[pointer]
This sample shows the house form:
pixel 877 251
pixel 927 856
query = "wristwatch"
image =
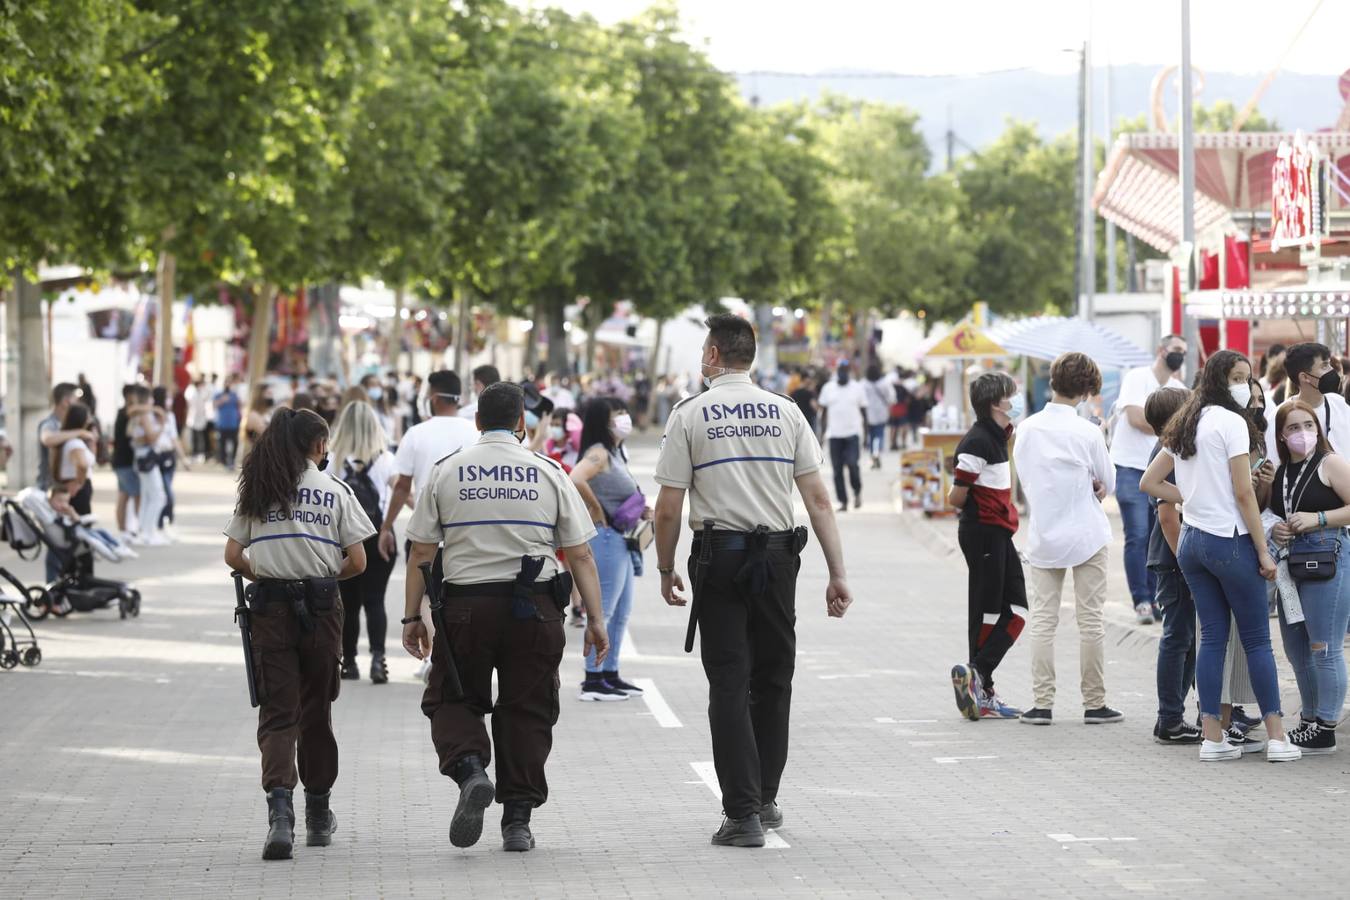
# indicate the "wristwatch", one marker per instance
pixel 409 620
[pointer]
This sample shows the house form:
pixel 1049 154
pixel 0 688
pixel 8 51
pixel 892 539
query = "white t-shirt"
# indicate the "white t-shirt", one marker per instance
pixel 1205 482
pixel 168 435
pixel 427 442
pixel 382 472
pixel 198 399
pixel 1334 408
pixel 844 403
pixel 1131 447
pixel 71 452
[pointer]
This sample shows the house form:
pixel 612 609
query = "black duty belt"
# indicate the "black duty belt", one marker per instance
pixel 306 596
pixel 494 589
pixel 741 540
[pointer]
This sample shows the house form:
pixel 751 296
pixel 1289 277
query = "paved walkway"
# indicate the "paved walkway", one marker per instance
pixel 132 769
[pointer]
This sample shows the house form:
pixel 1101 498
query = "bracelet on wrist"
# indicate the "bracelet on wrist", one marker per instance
pixel 665 570
pixel 408 620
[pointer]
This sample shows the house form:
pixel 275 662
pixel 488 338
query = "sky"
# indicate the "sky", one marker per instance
pixel 936 37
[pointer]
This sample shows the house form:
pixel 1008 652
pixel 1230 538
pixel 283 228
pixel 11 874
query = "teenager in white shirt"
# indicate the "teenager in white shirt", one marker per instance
pixel 1066 470
pixel 842 402
pixel 1132 444
pixel 1222 551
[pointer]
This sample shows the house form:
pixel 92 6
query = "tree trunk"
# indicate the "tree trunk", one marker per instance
pixel 825 310
pixel 462 340
pixel 766 355
pixel 653 360
pixel 260 337
pixel 26 386
pixel 164 278
pixel 394 338
pixel 862 339
pixel 557 335
pixel 532 338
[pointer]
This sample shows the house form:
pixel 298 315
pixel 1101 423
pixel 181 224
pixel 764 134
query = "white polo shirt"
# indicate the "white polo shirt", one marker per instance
pixel 1131 447
pixel 429 441
pixel 1058 454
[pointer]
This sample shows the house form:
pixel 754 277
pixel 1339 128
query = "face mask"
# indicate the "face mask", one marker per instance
pixel 1242 393
pixel 708 379
pixel 622 427
pixel 323 463
pixel 1018 408
pixel 268 402
pixel 1329 383
pixel 1175 360
pixel 557 434
pixel 375 393
pixel 1301 442
pixel 531 420
pixel 1258 417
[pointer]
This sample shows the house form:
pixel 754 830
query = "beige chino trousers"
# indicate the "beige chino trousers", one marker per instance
pixel 1044 589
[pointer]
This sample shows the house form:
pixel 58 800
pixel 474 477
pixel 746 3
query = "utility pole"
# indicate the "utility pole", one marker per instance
pixel 1110 226
pixel 1088 268
pixel 1190 327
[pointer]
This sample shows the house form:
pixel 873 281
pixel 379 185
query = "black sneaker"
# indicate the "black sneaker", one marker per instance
pixel 1180 733
pixel 600 691
pixel 1037 717
pixel 771 815
pixel 1244 721
pixel 613 680
pixel 1101 715
pixel 1238 738
pixel 350 671
pixel 1314 738
pixel 379 670
pixel 746 832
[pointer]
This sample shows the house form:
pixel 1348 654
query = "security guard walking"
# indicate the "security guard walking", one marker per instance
pixel 303 532
pixel 502 512
pixel 737 449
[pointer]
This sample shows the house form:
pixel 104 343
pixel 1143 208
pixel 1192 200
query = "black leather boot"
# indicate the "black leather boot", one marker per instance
pixel 320 821
pixel 475 795
pixel 743 832
pixel 379 670
pixel 516 836
pixel 280 825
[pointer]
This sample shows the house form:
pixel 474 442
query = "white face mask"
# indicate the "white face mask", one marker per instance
pixel 622 426
pixel 1242 393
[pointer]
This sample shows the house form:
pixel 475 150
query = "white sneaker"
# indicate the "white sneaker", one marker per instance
pixel 1218 751
pixel 156 540
pixel 1282 751
pixel 125 552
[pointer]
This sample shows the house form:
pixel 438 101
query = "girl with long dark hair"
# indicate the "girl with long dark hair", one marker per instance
pixel 296 533
pixel 72 461
pixel 616 505
pixel 1222 551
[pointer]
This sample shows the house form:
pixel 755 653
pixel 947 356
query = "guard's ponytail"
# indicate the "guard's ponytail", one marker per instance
pixel 272 470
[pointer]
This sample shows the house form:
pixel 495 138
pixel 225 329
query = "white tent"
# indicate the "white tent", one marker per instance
pixel 1046 337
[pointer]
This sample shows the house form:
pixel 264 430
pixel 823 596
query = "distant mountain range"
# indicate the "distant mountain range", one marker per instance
pixel 979 105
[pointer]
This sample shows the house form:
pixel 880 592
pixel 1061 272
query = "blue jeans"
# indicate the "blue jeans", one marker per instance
pixel 1225 581
pixel 1137 515
pixel 1321 674
pixel 1176 649
pixel 615 564
pixel 876 438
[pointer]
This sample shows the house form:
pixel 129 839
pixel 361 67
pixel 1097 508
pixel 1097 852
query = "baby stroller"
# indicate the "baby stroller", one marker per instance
pixel 30 524
pixel 15 650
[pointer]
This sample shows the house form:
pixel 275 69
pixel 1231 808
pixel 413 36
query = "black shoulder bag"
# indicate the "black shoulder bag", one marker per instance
pixel 1308 565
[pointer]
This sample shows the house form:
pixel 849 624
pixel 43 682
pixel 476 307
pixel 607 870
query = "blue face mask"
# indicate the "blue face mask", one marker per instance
pixel 1019 406
pixel 375 393
pixel 531 420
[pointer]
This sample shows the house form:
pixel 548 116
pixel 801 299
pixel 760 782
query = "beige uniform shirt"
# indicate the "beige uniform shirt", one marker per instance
pixel 307 542
pixel 494 502
pixel 737 448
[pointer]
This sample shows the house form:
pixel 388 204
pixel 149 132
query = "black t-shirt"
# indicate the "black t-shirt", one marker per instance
pixel 1310 494
pixel 1160 555
pixel 123 456
pixel 803 396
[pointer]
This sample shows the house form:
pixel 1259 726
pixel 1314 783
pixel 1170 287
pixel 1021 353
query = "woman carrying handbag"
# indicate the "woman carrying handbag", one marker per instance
pixel 1311 495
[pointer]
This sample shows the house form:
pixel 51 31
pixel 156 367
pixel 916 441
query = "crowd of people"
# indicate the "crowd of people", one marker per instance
pixel 1233 515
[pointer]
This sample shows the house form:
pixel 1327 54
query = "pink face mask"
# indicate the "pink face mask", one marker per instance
pixel 1301 442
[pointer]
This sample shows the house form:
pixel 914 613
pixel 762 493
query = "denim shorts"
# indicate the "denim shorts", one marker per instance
pixel 128 480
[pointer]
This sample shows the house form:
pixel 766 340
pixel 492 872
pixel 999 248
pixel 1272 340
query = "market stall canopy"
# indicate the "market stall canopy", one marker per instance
pixel 965 341
pixel 1139 189
pixel 1046 337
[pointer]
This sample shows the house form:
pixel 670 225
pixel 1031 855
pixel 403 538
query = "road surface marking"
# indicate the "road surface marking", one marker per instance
pixel 949 760
pixel 657 705
pixel 708 775
pixel 1070 839
pixel 630 650
pixel 887 720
